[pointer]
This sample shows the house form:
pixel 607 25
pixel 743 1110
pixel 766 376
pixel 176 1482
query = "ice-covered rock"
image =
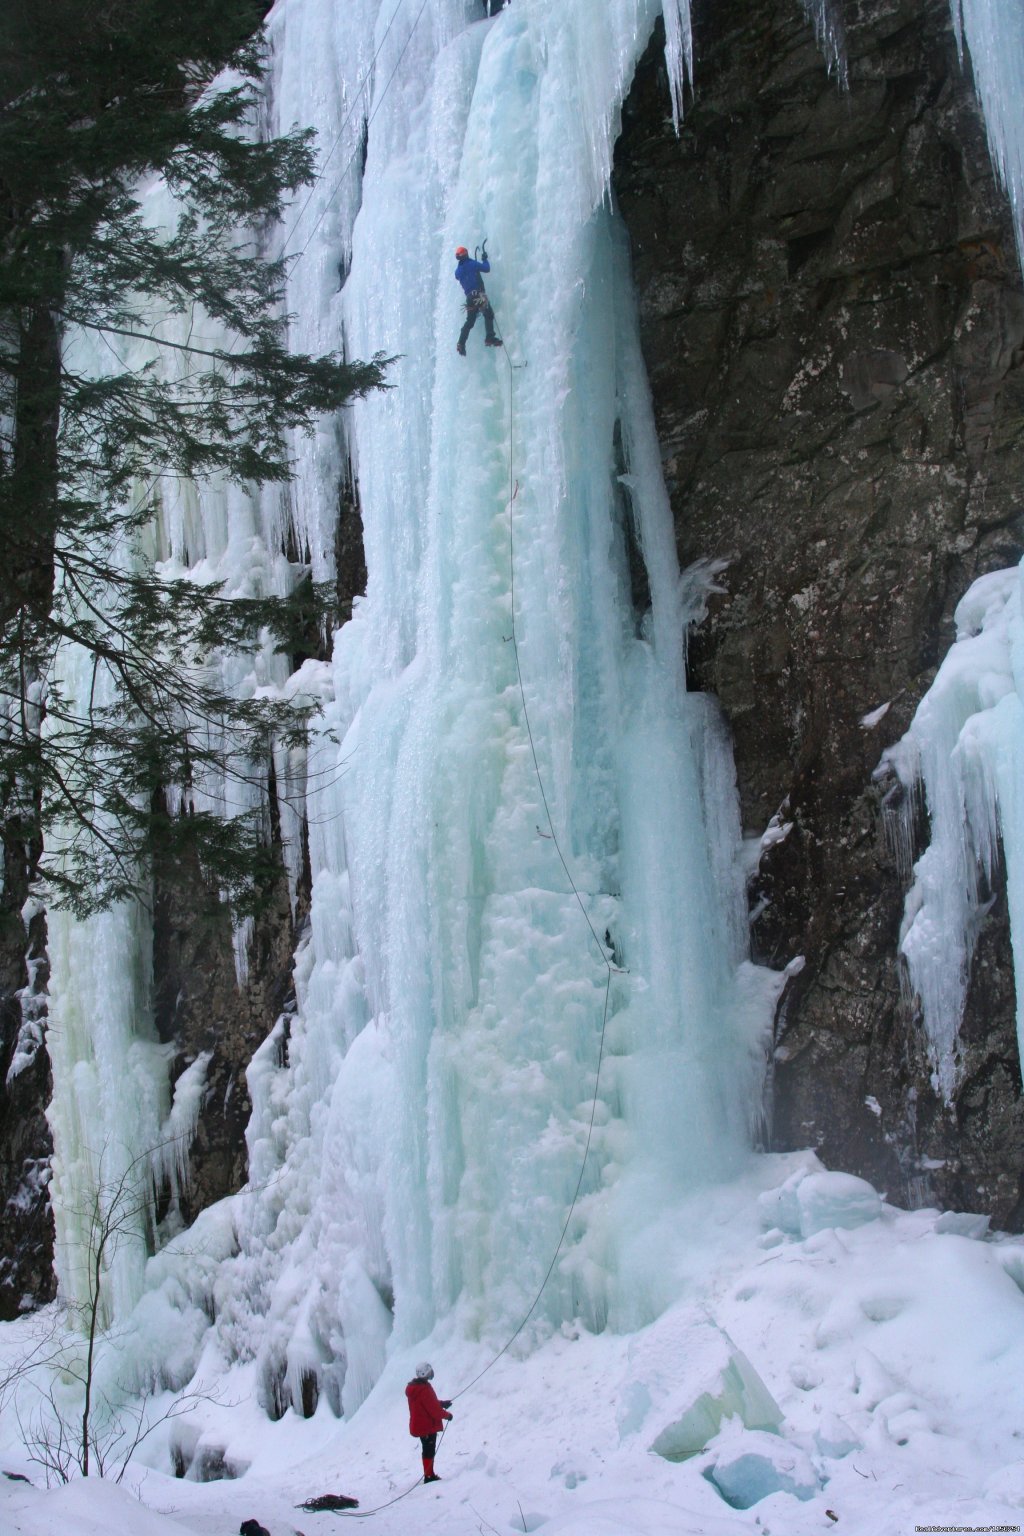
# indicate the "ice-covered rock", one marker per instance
pixel 836 1200
pixel 686 1377
pixel 963 1224
pixel 751 1464
pixel 964 742
pixel 811 1201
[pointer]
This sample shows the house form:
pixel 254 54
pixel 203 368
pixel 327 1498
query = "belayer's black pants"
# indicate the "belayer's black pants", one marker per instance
pixel 429 1444
pixel 477 304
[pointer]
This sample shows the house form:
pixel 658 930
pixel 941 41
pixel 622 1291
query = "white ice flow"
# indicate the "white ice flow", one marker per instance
pixel 965 747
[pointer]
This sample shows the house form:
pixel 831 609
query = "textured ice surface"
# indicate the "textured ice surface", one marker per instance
pixel 684 1376
pixel 749 1465
pixel 418 1142
pixel 810 1202
pixel 419 1123
pixel 964 1224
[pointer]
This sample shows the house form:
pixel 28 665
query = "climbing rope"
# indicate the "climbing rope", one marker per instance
pixel 364 1514
pixel 553 837
pixel 609 967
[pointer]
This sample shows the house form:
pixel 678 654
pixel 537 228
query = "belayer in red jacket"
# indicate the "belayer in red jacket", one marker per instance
pixel 427 1415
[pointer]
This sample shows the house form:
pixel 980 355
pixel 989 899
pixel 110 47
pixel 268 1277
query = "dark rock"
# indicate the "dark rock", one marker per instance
pixel 212 1464
pixel 200 1006
pixel 26 1253
pixel 833 322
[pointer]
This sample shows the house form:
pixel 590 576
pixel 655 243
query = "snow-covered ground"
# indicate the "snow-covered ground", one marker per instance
pixel 886 1359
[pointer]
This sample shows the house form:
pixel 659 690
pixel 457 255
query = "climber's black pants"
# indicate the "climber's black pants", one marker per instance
pixel 478 304
pixel 429 1444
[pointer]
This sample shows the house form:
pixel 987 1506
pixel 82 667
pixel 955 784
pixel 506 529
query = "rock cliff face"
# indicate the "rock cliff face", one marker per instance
pixel 200 1006
pixel 832 316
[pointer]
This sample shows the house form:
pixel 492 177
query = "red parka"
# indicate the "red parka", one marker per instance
pixel 426 1416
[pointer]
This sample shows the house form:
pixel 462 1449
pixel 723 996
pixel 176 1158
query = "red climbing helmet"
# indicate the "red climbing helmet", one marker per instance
pixel 460 250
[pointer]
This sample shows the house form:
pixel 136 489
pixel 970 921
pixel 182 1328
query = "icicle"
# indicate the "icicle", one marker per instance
pixel 171 1154
pixel 993 31
pixel 678 52
pixel 826 17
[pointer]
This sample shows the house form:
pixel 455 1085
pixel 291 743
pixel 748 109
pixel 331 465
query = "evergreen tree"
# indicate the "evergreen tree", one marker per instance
pixel 96 95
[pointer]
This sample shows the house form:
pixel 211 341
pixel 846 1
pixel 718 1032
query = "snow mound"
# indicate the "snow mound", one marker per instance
pixel 810 1202
pixel 834 1437
pixel 89 1507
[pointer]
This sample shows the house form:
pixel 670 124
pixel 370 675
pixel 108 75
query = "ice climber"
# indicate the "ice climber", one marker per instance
pixel 477 303
pixel 427 1415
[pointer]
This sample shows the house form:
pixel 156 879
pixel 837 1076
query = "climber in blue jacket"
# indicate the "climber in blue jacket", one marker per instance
pixel 477 303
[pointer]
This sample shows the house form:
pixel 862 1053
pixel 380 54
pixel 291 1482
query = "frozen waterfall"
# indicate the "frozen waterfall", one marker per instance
pixel 420 1121
pixel 417 1139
